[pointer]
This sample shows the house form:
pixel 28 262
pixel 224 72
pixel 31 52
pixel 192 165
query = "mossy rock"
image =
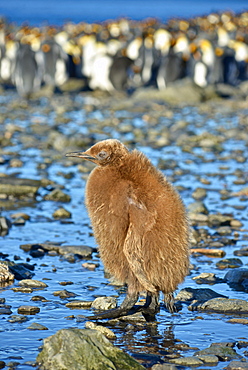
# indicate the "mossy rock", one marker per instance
pixel 83 349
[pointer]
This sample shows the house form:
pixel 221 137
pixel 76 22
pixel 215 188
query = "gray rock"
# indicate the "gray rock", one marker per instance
pixel 80 250
pixel 187 361
pixel 222 351
pixel 28 310
pixel 207 278
pixel 61 213
pixel 199 193
pixel 58 195
pixel 237 365
pixel 224 305
pixel 209 359
pixel 236 276
pixel 32 283
pixel 36 326
pixel 5 309
pixel 19 187
pixel 20 271
pixel 164 367
pixel 201 295
pixel 229 263
pixel 104 303
pixel 197 207
pixel 5 225
pixel 219 219
pixel 78 349
pixel 79 304
pixel 17 318
pixel 242 252
pixel 64 294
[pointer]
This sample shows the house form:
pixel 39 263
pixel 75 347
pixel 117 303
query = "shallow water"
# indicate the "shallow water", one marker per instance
pixel 148 343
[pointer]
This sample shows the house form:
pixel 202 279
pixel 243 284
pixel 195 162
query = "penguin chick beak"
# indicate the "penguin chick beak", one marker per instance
pixel 83 155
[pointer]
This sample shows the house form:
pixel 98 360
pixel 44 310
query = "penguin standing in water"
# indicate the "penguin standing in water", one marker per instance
pixel 27 74
pixel 140 224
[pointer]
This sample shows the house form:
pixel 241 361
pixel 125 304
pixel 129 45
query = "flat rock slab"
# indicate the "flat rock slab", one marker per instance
pixel 33 283
pixel 78 349
pixel 19 187
pixel 201 294
pixel 223 305
pixel 223 352
pixel 28 310
pixel 237 365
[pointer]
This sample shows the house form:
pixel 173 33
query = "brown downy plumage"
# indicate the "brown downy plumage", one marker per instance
pixel 139 223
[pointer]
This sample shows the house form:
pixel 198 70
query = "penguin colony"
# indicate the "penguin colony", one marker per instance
pixel 126 54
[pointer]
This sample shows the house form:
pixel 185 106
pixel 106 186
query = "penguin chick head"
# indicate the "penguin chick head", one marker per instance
pixel 106 152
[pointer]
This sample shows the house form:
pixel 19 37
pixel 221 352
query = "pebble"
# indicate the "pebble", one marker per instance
pixel 17 318
pixel 222 350
pixel 28 310
pixel 5 309
pixel 5 225
pixel 37 298
pixel 90 266
pixel 23 215
pixel 23 290
pixel 33 283
pixel 206 278
pixel 64 294
pixel 164 366
pixel 238 321
pixel 61 213
pixel 237 365
pixel 58 195
pixel 19 221
pixel 104 303
pixel 199 193
pixel 187 361
pixel 197 207
pixel 243 252
pixel 36 326
pixel 229 263
pixel 80 250
pixel 79 304
pixel 209 252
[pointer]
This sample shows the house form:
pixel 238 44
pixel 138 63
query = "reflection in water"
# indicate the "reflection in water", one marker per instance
pixel 147 343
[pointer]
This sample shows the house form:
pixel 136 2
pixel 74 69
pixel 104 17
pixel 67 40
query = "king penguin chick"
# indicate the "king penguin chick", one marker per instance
pixel 139 223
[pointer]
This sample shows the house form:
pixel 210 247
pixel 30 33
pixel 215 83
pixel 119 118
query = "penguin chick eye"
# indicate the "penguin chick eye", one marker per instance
pixel 102 155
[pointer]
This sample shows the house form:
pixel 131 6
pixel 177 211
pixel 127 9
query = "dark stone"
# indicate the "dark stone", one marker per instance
pixel 20 271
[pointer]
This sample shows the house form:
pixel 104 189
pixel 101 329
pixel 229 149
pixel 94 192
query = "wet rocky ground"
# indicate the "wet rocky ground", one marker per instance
pixel 50 271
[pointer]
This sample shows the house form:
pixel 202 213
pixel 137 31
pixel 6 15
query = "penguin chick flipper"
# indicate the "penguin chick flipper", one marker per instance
pixel 140 219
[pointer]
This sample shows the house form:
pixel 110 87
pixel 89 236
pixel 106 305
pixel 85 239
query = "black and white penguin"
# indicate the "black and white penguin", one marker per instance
pixel 54 61
pixel 173 63
pixel 120 71
pixel 27 75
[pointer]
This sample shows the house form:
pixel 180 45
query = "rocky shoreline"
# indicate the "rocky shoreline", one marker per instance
pixel 50 271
